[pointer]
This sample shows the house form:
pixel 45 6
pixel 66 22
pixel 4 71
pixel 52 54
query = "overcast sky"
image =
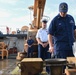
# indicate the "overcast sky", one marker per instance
pixel 15 13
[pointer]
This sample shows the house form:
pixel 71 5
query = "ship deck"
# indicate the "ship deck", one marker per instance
pixel 7 66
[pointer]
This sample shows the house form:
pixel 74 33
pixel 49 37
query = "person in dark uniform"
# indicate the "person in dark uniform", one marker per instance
pixel 30 43
pixel 42 39
pixel 62 28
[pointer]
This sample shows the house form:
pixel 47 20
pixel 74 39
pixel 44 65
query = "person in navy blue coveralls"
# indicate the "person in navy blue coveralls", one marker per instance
pixel 62 28
pixel 30 43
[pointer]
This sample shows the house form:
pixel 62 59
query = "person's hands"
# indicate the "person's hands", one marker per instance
pixel 45 44
pixel 51 49
pixel 29 45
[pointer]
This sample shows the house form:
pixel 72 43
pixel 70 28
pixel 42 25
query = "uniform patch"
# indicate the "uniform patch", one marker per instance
pixel 59 23
pixel 71 21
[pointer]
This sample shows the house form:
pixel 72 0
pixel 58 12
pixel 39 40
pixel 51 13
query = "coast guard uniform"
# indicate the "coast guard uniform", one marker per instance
pixel 43 52
pixel 30 49
pixel 62 28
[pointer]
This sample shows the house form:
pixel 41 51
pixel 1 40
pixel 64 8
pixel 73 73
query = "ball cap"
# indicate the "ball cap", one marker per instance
pixel 44 20
pixel 63 7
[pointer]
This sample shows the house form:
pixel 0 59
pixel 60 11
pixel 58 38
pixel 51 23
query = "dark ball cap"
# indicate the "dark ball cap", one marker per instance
pixel 44 21
pixel 63 7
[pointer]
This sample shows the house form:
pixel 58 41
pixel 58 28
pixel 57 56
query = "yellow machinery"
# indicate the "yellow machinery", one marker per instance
pixel 38 9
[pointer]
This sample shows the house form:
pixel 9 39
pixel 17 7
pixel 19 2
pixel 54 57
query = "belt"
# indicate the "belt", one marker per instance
pixel 44 42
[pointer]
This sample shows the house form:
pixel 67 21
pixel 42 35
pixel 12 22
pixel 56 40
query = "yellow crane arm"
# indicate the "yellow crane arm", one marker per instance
pixel 38 11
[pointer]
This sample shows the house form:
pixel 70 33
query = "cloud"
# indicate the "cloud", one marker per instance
pixel 20 9
pixel 23 18
pixel 73 12
pixel 20 19
pixel 4 13
pixel 51 13
pixel 9 1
